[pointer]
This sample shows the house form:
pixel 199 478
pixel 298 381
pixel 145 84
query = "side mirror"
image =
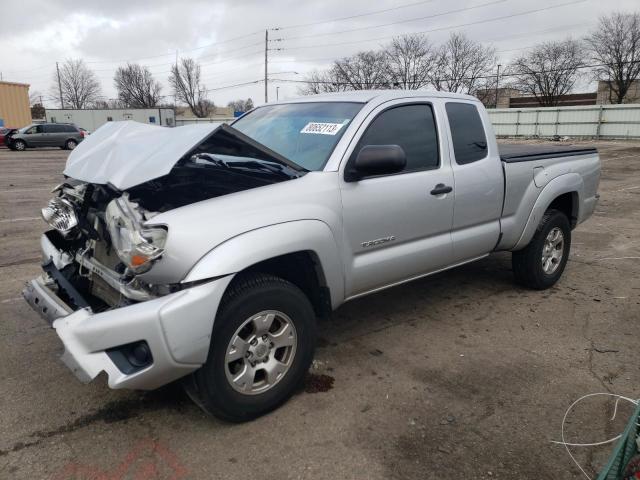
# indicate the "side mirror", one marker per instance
pixel 377 160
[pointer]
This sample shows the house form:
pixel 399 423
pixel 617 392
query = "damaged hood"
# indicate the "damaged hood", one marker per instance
pixel 125 154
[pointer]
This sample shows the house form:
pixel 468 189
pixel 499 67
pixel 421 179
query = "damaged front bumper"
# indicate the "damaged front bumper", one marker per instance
pixel 176 329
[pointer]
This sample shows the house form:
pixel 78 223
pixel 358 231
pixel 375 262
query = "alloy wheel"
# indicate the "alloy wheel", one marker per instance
pixel 552 251
pixel 260 352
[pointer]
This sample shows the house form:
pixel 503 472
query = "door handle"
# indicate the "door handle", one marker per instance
pixel 441 188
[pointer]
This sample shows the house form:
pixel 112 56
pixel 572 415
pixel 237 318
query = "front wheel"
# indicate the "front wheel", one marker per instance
pixel 18 145
pixel 540 264
pixel 261 347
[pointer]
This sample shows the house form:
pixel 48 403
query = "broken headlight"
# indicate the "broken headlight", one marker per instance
pixel 136 245
pixel 60 214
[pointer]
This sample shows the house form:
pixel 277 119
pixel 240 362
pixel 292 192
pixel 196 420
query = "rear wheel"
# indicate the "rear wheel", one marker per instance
pixel 261 347
pixel 70 144
pixel 540 264
pixel 18 145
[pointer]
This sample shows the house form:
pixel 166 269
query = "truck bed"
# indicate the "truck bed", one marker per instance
pixel 522 152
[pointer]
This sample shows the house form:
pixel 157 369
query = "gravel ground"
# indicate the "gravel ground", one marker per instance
pixel 459 375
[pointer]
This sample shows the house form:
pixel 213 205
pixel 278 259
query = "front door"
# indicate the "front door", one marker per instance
pixel 398 226
pixel 36 136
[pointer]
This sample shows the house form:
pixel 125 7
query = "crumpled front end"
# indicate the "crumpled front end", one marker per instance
pixel 109 319
pixel 140 346
pixel 114 295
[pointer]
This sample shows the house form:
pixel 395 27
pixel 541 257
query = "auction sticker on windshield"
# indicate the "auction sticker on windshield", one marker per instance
pixel 322 128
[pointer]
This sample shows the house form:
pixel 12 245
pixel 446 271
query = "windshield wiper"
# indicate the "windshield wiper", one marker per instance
pixel 271 154
pixel 247 164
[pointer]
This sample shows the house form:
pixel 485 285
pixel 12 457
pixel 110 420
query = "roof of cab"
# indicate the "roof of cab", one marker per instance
pixel 365 96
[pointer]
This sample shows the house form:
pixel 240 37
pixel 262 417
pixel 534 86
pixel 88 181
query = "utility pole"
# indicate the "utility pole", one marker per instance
pixel 497 82
pixel 59 86
pixel 277 93
pixel 175 92
pixel 266 50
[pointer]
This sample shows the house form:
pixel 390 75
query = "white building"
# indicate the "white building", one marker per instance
pixel 90 119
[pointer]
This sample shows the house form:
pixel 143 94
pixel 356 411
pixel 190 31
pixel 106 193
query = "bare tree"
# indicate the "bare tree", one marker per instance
pixel 362 71
pixel 410 60
pixel 36 96
pixel 461 64
pixel 79 85
pixel 616 45
pixel 136 86
pixel 549 71
pixel 241 105
pixel 322 82
pixel 188 88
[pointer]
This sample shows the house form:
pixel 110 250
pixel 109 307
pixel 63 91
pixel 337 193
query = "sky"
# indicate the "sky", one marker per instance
pixel 227 37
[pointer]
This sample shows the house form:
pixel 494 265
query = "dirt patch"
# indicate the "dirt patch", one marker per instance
pixel 170 397
pixel 316 383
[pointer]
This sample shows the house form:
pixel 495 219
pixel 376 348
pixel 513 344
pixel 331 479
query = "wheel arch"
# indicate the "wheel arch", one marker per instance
pixel 303 252
pixel 567 203
pixel 564 193
pixel 14 140
pixel 301 268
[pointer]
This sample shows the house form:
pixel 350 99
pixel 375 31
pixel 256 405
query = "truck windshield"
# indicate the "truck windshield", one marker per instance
pixel 305 133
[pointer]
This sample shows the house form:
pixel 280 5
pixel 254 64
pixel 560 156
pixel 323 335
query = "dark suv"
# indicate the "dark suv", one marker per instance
pixel 61 135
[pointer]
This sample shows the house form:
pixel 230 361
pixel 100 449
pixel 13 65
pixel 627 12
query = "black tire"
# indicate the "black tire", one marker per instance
pixel 527 263
pixel 70 144
pixel 18 145
pixel 249 295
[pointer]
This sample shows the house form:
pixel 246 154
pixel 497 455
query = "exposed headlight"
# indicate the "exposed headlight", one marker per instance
pixel 60 214
pixel 137 246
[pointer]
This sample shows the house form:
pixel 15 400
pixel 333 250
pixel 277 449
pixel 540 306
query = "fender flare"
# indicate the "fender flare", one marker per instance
pixel 247 249
pixel 567 183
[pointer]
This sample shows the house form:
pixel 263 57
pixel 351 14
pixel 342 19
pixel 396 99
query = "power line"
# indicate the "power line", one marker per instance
pixel 324 45
pixel 457 10
pixel 299 25
pixel 490 75
pixel 253 82
pixel 184 50
pixel 93 62
pixel 499 39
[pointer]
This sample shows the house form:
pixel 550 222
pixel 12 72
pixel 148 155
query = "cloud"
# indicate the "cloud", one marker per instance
pixel 105 33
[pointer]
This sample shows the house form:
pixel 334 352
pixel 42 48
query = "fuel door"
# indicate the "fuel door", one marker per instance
pixel 540 176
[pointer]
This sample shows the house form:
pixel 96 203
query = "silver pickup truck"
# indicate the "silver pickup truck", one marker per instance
pixel 206 253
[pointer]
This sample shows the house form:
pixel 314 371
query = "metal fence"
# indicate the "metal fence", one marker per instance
pixel 594 121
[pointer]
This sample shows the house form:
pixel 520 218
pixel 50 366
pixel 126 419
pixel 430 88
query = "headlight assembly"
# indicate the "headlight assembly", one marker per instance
pixel 60 214
pixel 136 245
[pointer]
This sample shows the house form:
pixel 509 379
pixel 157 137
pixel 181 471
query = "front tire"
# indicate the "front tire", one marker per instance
pixel 18 145
pixel 262 345
pixel 540 264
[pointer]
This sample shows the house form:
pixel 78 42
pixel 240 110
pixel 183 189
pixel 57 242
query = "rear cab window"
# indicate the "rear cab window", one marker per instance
pixel 413 128
pixel 467 132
